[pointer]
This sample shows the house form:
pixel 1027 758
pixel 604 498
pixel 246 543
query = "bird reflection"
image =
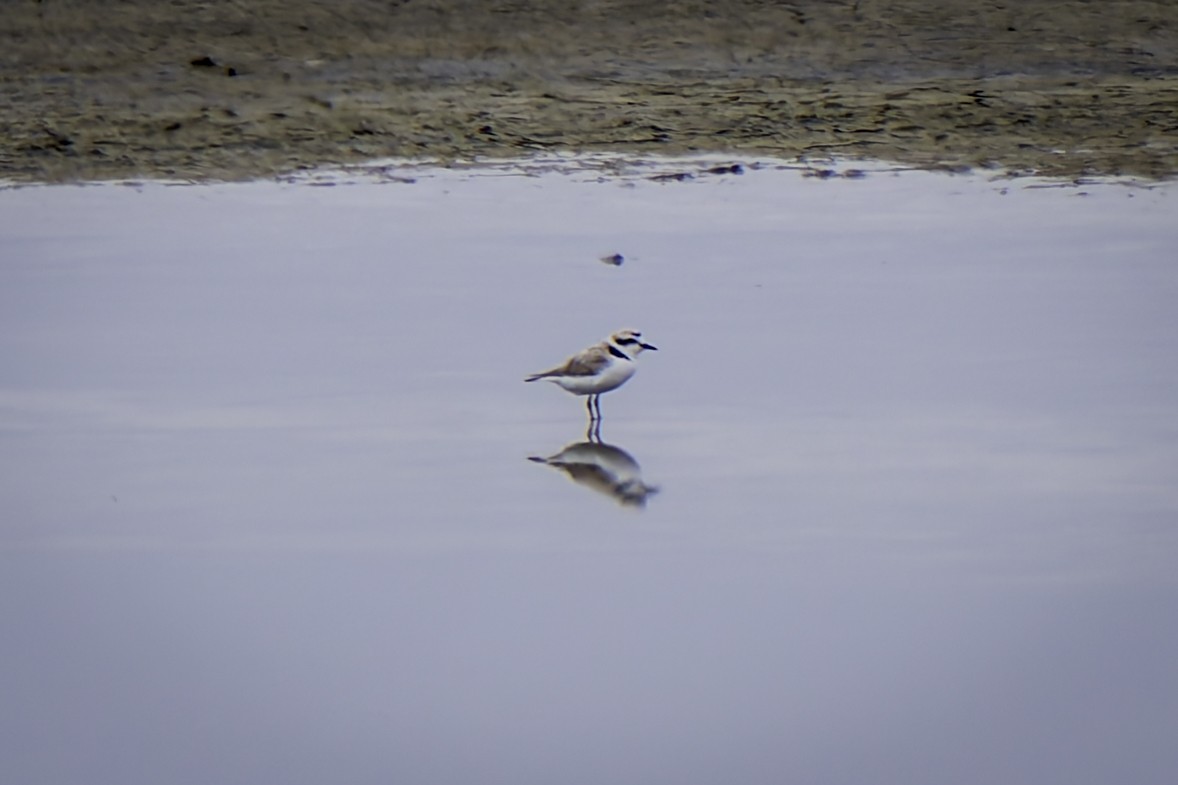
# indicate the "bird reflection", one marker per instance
pixel 605 468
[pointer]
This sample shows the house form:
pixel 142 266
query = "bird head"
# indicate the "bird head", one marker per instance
pixel 630 342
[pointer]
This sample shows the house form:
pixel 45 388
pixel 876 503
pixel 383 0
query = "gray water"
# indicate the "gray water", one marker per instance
pixel 268 513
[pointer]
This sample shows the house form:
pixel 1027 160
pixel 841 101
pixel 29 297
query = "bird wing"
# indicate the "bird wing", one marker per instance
pixel 586 363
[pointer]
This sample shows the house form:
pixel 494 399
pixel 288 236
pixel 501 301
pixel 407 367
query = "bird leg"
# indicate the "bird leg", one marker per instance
pixel 593 404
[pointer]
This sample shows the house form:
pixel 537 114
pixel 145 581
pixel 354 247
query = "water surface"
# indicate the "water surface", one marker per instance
pixel 268 513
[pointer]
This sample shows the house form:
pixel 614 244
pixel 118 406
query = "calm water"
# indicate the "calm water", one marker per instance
pixel 267 512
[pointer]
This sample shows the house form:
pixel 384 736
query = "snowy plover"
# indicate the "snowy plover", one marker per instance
pixel 600 368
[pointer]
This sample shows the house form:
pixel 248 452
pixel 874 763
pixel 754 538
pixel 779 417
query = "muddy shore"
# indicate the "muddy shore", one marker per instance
pixel 227 91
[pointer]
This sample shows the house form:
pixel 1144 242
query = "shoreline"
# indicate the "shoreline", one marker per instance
pixel 1052 88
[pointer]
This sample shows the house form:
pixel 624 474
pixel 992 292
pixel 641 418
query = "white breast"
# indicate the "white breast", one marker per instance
pixel 613 376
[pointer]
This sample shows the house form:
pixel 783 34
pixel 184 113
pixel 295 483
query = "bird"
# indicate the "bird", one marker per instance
pixel 600 368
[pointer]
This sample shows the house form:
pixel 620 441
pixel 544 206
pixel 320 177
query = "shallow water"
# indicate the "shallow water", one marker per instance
pixel 268 513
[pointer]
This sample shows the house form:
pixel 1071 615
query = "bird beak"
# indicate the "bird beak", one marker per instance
pixel 648 346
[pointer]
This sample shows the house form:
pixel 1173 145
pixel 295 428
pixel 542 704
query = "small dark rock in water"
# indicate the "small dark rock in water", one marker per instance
pixel 821 174
pixel 733 169
pixel 672 177
pixel 854 174
pixel 203 62
pixel 615 259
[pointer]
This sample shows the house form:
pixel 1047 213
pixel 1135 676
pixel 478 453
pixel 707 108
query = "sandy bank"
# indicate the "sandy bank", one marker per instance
pixel 231 90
